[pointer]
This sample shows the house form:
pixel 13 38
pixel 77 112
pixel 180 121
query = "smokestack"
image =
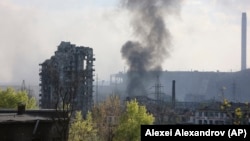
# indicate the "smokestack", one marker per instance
pixel 244 41
pixel 173 94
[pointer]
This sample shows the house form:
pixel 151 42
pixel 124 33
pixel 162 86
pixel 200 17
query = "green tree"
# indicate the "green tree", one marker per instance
pixel 11 98
pixel 237 115
pixel 82 129
pixel 131 121
pixel 105 115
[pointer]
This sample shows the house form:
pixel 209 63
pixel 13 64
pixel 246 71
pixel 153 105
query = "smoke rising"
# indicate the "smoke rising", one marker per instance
pixel 153 39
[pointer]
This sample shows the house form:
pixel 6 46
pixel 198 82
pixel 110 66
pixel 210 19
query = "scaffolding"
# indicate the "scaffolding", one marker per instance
pixel 68 73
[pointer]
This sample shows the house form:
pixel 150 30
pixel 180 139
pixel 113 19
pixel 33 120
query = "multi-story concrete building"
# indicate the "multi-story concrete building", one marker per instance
pixel 67 78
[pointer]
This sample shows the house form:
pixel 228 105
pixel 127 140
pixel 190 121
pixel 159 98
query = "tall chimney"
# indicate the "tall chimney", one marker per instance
pixel 173 94
pixel 244 41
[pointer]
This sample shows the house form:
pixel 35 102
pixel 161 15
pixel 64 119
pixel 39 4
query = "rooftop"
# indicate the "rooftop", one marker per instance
pixel 11 115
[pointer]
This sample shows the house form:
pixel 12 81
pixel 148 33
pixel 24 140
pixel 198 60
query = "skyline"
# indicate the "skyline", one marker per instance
pixel 205 35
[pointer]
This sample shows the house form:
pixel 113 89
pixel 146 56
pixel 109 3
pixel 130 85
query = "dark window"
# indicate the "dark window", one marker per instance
pixel 210 121
pixel 200 121
pixel 205 121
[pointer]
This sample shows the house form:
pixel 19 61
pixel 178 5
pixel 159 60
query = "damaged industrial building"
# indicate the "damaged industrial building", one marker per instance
pixel 192 97
pixel 67 78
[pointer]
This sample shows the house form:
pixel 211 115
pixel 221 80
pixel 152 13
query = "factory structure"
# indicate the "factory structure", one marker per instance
pixel 187 97
pixel 194 85
pixel 244 42
pixel 191 86
pixel 67 78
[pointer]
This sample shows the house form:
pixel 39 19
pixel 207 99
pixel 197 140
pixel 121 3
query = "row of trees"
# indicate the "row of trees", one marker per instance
pixel 10 98
pixel 110 121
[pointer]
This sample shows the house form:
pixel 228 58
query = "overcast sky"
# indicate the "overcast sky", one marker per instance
pixel 205 35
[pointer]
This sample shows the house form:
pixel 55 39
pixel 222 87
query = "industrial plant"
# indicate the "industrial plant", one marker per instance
pixel 193 85
pixel 70 71
pixel 190 91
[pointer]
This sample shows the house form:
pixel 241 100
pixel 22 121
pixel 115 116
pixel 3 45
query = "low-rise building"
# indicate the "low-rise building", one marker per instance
pixel 213 114
pixel 31 125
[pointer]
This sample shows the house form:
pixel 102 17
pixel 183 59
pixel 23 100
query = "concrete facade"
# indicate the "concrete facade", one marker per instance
pixel 67 78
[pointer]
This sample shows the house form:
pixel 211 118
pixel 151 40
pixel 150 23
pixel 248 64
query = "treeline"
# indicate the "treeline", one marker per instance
pixel 10 99
pixel 110 121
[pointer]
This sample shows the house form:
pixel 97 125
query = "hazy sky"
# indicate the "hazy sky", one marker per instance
pixel 205 35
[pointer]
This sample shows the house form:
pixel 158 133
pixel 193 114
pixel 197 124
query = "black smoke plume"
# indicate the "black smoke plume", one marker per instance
pixel 152 42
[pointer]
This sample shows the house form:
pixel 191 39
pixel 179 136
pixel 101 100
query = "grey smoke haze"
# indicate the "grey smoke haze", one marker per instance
pixel 31 31
pixel 153 41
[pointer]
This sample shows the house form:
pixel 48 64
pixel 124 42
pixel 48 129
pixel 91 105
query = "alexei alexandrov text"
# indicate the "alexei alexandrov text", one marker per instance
pixel 182 132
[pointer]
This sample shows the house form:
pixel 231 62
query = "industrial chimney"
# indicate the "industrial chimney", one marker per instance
pixel 244 41
pixel 173 94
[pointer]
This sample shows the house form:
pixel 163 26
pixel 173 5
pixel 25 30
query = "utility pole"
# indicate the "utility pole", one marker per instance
pixel 158 96
pixel 158 87
pixel 234 96
pixel 223 88
pixel 23 87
